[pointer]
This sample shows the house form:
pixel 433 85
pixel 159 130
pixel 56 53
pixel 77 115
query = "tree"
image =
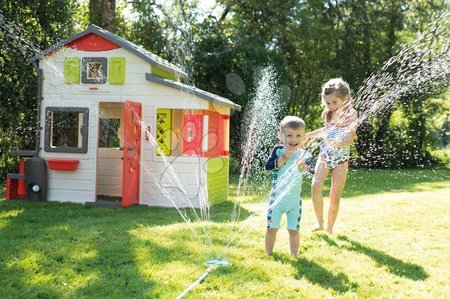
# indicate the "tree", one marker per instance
pixel 103 13
pixel 26 29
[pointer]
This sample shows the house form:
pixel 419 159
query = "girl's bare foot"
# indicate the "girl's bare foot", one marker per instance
pixel 329 232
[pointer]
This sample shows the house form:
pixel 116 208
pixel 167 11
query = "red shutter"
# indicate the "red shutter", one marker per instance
pixel 192 134
pixel 216 134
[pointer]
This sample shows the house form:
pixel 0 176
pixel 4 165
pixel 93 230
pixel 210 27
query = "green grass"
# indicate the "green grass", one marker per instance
pixel 392 240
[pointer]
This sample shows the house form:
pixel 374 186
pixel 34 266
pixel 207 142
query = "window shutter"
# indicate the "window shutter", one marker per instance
pixel 192 133
pixel 72 70
pixel 216 134
pixel 117 70
pixel 164 131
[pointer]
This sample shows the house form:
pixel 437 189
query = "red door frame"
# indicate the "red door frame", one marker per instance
pixel 131 153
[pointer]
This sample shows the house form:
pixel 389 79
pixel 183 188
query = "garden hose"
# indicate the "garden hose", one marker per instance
pixel 199 281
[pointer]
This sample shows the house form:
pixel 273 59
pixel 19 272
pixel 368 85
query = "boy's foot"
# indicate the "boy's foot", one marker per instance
pixel 317 229
pixel 330 233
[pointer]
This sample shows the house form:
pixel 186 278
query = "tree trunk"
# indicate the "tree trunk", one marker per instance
pixel 103 13
pixel 95 12
pixel 109 15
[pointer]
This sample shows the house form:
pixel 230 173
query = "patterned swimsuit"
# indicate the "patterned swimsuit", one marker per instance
pixel 334 155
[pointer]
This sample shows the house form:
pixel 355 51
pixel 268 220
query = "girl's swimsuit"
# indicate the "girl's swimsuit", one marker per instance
pixel 334 155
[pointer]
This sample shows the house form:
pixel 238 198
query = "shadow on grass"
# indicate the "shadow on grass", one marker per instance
pixel 50 250
pixel 222 212
pixel 317 274
pixel 89 250
pixel 392 264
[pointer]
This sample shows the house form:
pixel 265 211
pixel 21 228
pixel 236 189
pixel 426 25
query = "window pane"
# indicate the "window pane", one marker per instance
pixel 108 132
pixel 94 70
pixel 65 128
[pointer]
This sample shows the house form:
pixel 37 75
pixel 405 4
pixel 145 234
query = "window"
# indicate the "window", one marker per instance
pixel 192 133
pixel 66 129
pixel 108 136
pixel 94 70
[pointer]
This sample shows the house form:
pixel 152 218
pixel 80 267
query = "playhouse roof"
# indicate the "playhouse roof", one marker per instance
pixel 138 50
pixel 148 57
pixel 215 99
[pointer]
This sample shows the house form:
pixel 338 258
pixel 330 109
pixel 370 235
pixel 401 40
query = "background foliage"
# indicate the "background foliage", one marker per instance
pixel 308 42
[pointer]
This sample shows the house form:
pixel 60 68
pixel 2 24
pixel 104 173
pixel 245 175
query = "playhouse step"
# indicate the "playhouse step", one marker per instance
pixel 24 153
pixel 15 176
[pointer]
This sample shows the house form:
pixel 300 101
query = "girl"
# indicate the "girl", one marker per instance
pixel 338 134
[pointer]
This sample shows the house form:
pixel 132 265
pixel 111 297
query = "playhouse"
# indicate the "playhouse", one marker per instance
pixel 103 104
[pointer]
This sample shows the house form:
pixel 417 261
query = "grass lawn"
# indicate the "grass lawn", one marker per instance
pixel 392 240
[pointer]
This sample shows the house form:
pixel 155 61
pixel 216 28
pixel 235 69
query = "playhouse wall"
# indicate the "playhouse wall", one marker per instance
pixel 80 185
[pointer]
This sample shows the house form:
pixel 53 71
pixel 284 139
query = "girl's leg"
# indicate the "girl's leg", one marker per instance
pixel 338 177
pixel 294 242
pixel 321 174
pixel 271 236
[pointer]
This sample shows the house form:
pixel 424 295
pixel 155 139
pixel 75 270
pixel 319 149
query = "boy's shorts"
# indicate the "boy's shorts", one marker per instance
pixel 293 217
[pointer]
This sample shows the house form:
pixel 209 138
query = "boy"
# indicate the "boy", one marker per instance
pixel 288 164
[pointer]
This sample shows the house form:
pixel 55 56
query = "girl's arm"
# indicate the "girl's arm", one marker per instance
pixel 350 129
pixel 314 134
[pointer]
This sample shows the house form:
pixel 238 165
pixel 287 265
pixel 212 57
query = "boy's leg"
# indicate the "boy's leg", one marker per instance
pixel 338 178
pixel 293 225
pixel 273 224
pixel 321 174
pixel 294 242
pixel 271 236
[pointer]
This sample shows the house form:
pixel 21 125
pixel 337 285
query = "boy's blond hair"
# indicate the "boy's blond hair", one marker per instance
pixel 292 122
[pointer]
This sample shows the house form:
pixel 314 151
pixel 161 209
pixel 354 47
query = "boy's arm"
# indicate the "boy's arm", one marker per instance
pixel 273 161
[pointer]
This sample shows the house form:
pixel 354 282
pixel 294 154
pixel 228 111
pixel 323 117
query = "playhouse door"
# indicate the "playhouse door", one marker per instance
pixel 131 153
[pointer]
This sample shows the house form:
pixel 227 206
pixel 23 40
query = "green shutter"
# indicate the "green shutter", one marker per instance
pixel 117 70
pixel 163 74
pixel 217 172
pixel 72 70
pixel 164 131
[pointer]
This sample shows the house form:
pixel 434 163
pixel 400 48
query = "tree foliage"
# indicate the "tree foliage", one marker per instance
pixel 307 41
pixel 26 29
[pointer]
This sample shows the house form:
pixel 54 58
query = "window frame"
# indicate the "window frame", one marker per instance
pixel 84 70
pixel 83 130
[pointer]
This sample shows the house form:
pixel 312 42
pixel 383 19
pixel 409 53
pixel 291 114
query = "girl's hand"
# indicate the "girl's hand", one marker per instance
pixel 302 165
pixel 300 161
pixel 333 142
pixel 307 137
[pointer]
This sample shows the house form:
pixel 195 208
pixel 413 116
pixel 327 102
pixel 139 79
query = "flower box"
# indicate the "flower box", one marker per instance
pixel 62 164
